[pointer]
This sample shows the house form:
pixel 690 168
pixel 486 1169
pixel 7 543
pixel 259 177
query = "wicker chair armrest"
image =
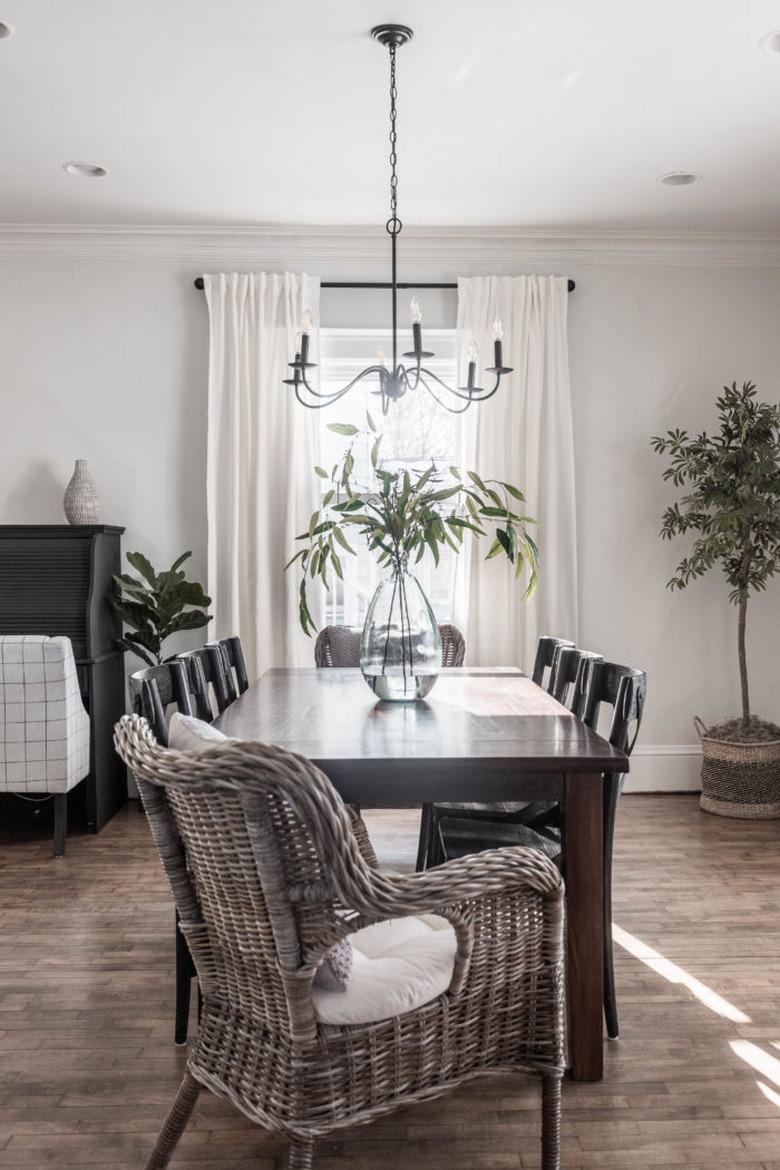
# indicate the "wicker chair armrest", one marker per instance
pixel 478 895
pixel 455 884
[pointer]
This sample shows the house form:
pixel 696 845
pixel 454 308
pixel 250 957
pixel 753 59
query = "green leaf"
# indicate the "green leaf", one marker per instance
pixel 370 421
pixel 342 540
pixel 128 584
pixel 143 654
pixel 343 429
pixel 375 451
pixel 322 473
pixel 476 479
pixel 191 619
pixel 144 567
pixel 513 491
pixel 301 553
pixel 505 542
pixel 179 562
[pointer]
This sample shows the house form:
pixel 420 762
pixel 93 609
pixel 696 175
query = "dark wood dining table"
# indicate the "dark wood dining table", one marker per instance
pixel 481 734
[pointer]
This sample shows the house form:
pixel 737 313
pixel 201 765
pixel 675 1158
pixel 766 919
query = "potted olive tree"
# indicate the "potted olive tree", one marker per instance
pixel 731 504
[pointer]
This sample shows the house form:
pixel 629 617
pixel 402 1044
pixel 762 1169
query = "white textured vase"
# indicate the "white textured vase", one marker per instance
pixel 81 501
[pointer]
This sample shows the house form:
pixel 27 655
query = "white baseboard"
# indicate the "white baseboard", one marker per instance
pixel 665 767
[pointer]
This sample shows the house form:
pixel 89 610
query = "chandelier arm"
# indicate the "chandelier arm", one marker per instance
pixel 345 389
pixel 405 377
pixel 436 398
pixel 478 396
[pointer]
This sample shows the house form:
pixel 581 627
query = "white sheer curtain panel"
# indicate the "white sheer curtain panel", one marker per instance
pixel 523 436
pixel 262 448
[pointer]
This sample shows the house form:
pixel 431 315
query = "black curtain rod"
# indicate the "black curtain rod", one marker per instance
pixel 374 284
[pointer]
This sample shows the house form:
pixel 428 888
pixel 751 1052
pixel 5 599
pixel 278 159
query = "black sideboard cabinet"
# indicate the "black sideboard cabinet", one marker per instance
pixel 56 579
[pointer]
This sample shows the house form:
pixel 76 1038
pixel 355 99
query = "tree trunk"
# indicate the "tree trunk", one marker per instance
pixel 743 674
pixel 747 556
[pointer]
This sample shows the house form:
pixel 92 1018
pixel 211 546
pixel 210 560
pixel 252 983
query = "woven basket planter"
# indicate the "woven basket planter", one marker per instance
pixel 739 779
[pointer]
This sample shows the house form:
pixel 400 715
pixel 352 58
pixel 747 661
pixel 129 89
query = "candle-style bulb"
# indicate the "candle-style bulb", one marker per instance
pixel 381 357
pixel 498 330
pixel 306 322
pixel 472 352
pixel 415 311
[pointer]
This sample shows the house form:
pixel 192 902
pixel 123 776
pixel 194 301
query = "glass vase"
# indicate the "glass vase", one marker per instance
pixel 400 650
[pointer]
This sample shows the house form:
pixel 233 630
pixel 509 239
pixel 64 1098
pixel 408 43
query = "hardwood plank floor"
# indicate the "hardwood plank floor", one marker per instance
pixel 88 1067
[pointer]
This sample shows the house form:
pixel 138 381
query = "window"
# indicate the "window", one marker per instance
pixel 416 430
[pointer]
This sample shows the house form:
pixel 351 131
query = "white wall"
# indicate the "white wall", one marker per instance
pixel 103 356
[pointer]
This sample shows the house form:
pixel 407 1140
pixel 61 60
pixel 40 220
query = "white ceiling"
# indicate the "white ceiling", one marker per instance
pixel 538 113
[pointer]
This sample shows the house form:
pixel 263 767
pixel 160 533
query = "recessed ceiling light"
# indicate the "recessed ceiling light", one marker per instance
pixel 679 178
pixel 6 31
pixel 771 42
pixel 85 170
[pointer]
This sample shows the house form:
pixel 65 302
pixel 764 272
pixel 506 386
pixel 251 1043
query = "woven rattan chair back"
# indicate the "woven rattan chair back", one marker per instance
pixel 155 688
pixel 256 830
pixel 453 646
pixel 209 682
pixel 234 666
pixel 546 649
pixel 340 646
pixel 268 874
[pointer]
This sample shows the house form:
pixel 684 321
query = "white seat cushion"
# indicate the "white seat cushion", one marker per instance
pixel 188 734
pixel 398 966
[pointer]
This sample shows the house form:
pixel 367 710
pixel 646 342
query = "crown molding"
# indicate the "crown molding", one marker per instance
pixel 451 250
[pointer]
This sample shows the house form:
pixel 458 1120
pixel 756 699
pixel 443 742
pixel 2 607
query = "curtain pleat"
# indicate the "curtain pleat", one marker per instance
pixel 262 448
pixel 523 435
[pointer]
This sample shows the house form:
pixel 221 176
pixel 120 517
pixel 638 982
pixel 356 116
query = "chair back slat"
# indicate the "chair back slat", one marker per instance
pixel 568 673
pixel 154 689
pixel 339 646
pixel 233 664
pixel 206 669
pixel 546 649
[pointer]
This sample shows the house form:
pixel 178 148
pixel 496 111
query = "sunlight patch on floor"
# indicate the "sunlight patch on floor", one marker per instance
pixel 770 1094
pixel 762 1062
pixel 674 974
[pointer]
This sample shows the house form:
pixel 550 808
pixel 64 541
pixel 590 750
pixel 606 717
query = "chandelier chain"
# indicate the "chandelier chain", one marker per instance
pixel 394 225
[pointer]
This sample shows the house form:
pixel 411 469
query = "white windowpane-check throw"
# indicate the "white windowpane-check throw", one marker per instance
pixel 44 729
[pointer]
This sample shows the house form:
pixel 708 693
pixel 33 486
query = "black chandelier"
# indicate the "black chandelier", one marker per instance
pixel 394 382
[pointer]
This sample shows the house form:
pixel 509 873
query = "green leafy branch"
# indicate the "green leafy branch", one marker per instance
pixel 407 515
pixel 157 605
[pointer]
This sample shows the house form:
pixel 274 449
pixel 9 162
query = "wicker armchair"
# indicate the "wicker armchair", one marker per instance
pixel 340 646
pixel 268 875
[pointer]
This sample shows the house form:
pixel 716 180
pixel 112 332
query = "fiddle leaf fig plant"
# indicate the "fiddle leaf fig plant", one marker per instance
pixel 731 505
pixel 157 605
pixel 406 515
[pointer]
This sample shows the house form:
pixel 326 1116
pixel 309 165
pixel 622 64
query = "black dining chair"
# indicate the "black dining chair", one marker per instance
pixel 602 684
pixel 209 681
pixel 564 683
pixel 154 690
pixel 233 660
pixel 546 649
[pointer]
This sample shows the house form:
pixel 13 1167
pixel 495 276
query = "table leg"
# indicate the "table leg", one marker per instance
pixel 583 871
